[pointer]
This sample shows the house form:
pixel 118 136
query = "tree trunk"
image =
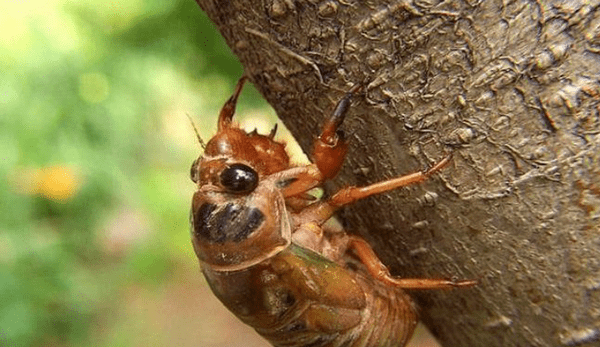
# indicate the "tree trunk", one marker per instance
pixel 512 89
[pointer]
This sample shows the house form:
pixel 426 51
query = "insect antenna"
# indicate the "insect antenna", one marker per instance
pixel 202 144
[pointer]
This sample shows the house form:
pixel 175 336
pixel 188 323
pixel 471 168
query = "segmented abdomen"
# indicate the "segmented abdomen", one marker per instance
pixel 391 319
pixel 300 299
pixel 388 320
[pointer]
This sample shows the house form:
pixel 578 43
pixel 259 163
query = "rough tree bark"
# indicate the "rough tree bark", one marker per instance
pixel 512 88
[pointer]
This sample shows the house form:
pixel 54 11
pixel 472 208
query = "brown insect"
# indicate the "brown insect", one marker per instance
pixel 268 256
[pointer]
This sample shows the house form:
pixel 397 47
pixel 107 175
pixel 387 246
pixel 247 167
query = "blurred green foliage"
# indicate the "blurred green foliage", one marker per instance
pixel 95 153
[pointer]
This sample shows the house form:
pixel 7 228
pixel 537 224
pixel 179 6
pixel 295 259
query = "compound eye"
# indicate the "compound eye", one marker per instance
pixel 239 178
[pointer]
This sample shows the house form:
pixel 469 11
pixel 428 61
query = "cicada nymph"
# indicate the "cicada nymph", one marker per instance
pixel 268 255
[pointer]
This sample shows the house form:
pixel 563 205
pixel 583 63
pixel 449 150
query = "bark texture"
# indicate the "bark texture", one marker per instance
pixel 512 88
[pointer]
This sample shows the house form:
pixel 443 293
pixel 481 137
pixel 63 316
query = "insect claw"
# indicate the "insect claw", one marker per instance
pixel 339 114
pixel 464 283
pixel 328 135
pixel 457 283
pixel 273 132
pixel 228 109
pixel 439 165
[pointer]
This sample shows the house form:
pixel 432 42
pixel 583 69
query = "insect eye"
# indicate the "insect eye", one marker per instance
pixel 239 178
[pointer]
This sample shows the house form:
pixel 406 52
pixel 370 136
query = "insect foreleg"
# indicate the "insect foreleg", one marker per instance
pixel 228 109
pixel 330 147
pixel 328 154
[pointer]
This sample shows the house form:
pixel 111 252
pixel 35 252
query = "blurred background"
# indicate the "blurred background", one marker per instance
pixel 95 151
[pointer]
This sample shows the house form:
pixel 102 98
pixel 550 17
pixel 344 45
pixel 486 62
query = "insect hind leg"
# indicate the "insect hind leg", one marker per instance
pixel 379 271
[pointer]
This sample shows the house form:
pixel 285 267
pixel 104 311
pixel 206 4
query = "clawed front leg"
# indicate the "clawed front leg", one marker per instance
pixel 329 151
pixel 330 148
pixel 229 108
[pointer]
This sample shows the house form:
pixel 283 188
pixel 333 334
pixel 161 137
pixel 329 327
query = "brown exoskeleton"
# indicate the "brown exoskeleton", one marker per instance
pixel 267 255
